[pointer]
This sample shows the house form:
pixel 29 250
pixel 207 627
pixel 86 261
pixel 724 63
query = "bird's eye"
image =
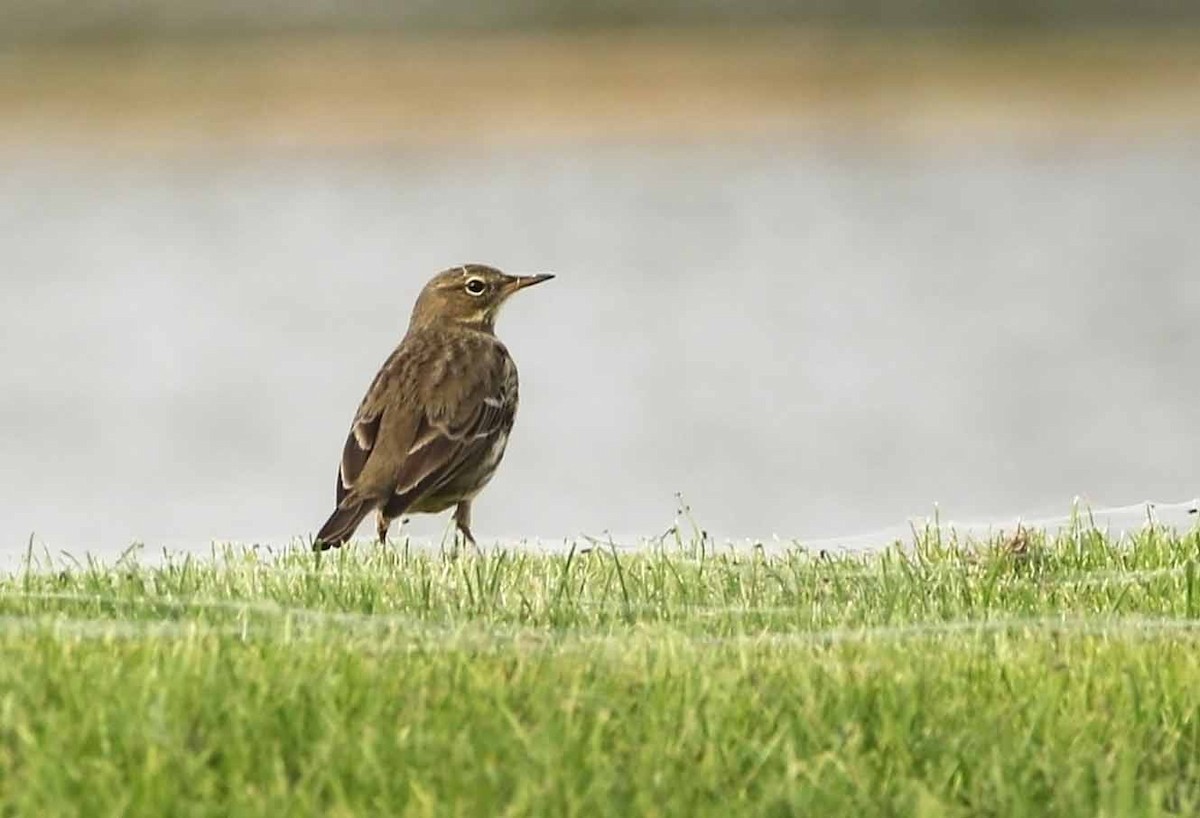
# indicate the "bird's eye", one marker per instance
pixel 476 286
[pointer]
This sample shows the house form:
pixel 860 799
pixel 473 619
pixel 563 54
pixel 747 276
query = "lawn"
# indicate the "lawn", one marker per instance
pixel 1032 676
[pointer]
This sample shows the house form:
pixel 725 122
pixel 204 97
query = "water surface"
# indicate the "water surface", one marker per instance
pixel 803 339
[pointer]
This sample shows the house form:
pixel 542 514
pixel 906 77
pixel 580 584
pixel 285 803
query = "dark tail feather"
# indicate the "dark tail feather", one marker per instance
pixel 341 525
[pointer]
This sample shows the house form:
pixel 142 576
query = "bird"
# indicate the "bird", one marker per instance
pixel 434 423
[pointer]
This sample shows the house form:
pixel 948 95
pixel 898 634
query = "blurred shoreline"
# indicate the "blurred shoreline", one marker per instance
pixel 363 92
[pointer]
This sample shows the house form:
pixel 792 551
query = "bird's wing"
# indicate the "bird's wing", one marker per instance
pixel 431 410
pixel 463 416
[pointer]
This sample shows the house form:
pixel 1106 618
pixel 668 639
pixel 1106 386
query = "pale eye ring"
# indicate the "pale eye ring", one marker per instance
pixel 476 286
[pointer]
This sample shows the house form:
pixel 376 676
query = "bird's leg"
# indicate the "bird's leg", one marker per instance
pixel 462 519
pixel 382 523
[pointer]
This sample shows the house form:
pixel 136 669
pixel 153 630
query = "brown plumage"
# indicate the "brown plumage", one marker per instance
pixel 434 423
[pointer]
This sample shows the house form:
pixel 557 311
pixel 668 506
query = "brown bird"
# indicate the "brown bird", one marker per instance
pixel 433 425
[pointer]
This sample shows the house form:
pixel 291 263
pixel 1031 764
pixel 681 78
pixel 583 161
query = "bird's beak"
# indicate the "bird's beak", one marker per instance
pixel 521 282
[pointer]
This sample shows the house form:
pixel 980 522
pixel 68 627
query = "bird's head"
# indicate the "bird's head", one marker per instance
pixel 468 296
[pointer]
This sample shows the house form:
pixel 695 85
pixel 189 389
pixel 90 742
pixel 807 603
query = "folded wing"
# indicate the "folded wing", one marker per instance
pixel 461 424
pixel 425 419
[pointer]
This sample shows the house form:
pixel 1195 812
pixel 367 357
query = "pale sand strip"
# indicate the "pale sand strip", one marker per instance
pixel 672 87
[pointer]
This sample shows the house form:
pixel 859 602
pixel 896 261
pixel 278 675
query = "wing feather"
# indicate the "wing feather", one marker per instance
pixel 359 444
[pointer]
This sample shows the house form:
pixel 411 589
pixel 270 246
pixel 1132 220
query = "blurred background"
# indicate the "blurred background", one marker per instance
pixel 821 264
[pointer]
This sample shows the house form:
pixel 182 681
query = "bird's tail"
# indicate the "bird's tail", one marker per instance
pixel 341 524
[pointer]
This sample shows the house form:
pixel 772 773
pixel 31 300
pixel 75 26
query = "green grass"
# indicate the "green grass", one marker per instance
pixel 940 679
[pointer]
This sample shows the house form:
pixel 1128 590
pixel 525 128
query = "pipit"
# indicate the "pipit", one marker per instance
pixel 434 423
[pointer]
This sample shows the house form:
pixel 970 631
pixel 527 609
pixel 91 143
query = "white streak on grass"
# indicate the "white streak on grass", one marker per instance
pixel 670 612
pixel 101 629
pixel 389 633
